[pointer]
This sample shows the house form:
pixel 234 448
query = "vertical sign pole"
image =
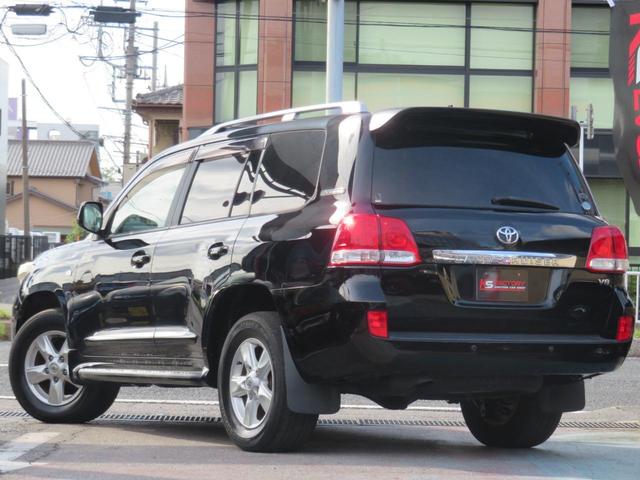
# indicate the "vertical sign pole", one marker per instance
pixel 335 49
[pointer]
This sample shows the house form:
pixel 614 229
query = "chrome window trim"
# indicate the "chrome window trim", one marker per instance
pixel 497 257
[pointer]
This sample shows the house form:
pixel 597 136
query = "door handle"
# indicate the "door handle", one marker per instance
pixel 140 259
pixel 217 250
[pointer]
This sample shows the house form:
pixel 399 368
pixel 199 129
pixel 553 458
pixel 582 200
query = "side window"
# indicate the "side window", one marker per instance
pixel 288 174
pixel 147 204
pixel 212 189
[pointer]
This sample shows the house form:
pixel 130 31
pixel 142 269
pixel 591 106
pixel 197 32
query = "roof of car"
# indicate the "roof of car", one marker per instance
pixel 561 129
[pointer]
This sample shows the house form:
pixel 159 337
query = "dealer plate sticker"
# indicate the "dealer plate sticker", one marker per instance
pixel 502 285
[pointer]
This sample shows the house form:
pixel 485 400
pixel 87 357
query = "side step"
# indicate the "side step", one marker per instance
pixel 104 372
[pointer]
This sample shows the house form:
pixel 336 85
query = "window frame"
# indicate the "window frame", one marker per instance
pixel 182 158
pixel 236 68
pixel 465 70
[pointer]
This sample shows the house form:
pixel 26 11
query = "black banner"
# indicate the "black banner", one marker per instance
pixel 624 58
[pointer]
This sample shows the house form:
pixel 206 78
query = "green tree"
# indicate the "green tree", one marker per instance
pixel 76 234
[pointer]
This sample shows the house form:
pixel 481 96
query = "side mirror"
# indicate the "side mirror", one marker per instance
pixel 90 216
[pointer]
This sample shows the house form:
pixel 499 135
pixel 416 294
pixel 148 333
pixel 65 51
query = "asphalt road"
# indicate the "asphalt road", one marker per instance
pixel 601 443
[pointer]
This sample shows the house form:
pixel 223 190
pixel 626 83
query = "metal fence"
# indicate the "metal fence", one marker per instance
pixel 15 250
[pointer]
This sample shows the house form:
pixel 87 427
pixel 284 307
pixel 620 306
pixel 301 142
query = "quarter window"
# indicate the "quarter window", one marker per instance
pixel 148 204
pixel 288 174
pixel 212 189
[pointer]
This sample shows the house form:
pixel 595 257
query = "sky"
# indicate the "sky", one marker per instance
pixel 80 88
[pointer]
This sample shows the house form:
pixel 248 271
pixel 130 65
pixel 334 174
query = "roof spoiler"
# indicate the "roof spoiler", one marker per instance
pixel 462 124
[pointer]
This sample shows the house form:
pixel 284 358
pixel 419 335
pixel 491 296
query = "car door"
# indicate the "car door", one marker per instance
pixel 110 312
pixel 193 258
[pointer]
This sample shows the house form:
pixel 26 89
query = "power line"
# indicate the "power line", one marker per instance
pixel 35 85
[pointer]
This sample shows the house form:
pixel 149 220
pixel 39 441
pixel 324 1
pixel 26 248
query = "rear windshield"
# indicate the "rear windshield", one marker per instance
pixel 468 177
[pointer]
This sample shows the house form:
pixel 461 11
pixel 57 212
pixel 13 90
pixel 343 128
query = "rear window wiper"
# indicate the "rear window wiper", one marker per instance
pixel 523 202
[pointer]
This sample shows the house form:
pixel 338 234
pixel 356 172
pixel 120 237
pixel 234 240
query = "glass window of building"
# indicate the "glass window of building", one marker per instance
pixel 502 93
pixel 309 87
pixel 236 59
pixel 386 90
pixel 590 77
pixel 404 53
pixel 411 33
pixel 611 197
pixel 502 36
pixel 595 91
pixel 311 30
pixel 590 37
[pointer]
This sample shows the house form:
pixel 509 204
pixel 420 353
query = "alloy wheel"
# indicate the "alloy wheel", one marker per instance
pixel 251 383
pixel 46 369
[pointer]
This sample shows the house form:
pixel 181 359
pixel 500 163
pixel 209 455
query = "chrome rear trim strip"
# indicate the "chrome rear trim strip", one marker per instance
pixel 497 257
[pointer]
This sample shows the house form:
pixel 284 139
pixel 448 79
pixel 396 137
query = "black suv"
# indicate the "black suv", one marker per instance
pixel 421 253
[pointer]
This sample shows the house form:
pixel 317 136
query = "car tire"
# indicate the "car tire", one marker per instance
pixel 515 422
pixel 40 379
pixel 252 388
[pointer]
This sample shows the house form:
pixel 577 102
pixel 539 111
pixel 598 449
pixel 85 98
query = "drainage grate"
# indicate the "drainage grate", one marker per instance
pixel 326 422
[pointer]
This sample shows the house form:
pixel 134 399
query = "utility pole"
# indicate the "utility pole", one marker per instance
pixel 154 64
pixel 25 171
pixel 335 49
pixel 130 72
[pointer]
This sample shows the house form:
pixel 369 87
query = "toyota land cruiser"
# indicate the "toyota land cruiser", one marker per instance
pixel 285 259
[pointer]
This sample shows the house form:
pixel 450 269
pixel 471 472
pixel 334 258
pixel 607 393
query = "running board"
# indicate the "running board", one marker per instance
pixel 104 372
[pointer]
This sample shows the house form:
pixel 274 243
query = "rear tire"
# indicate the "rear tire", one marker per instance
pixel 511 422
pixel 252 389
pixel 39 375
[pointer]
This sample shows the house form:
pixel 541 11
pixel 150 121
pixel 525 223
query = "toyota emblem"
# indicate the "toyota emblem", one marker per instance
pixel 508 235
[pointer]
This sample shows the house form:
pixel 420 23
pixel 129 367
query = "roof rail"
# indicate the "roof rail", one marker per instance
pixel 288 115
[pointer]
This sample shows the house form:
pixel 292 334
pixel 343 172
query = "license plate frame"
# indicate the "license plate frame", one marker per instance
pixel 502 285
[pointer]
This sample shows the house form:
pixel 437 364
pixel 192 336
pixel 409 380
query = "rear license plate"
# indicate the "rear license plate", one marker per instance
pixel 502 285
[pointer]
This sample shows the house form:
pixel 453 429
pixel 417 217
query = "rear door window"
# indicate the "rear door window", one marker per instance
pixel 212 189
pixel 468 177
pixel 288 174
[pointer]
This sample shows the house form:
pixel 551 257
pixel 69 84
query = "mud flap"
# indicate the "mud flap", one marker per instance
pixel 568 397
pixel 303 397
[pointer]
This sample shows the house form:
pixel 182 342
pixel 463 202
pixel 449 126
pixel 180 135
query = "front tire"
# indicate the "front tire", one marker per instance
pixel 516 422
pixel 40 376
pixel 252 389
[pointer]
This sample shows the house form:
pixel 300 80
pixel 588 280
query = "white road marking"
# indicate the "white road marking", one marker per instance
pixel 14 449
pixel 152 401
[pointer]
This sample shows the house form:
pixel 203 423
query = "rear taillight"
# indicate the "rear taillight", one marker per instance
pixel 369 239
pixel 377 322
pixel 624 332
pixel 608 251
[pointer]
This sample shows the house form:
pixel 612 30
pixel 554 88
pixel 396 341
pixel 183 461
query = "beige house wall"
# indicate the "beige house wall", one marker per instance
pixel 44 215
pixel 63 189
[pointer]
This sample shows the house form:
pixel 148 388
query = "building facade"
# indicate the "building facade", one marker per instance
pixel 542 56
pixel 62 175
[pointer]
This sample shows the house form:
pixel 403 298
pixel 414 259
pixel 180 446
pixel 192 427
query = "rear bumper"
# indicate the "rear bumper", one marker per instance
pixel 412 359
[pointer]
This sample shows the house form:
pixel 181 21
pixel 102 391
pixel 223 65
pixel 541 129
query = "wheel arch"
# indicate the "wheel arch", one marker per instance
pixel 224 310
pixel 37 302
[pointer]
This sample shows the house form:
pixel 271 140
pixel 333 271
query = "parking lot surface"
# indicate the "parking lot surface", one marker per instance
pixel 176 433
